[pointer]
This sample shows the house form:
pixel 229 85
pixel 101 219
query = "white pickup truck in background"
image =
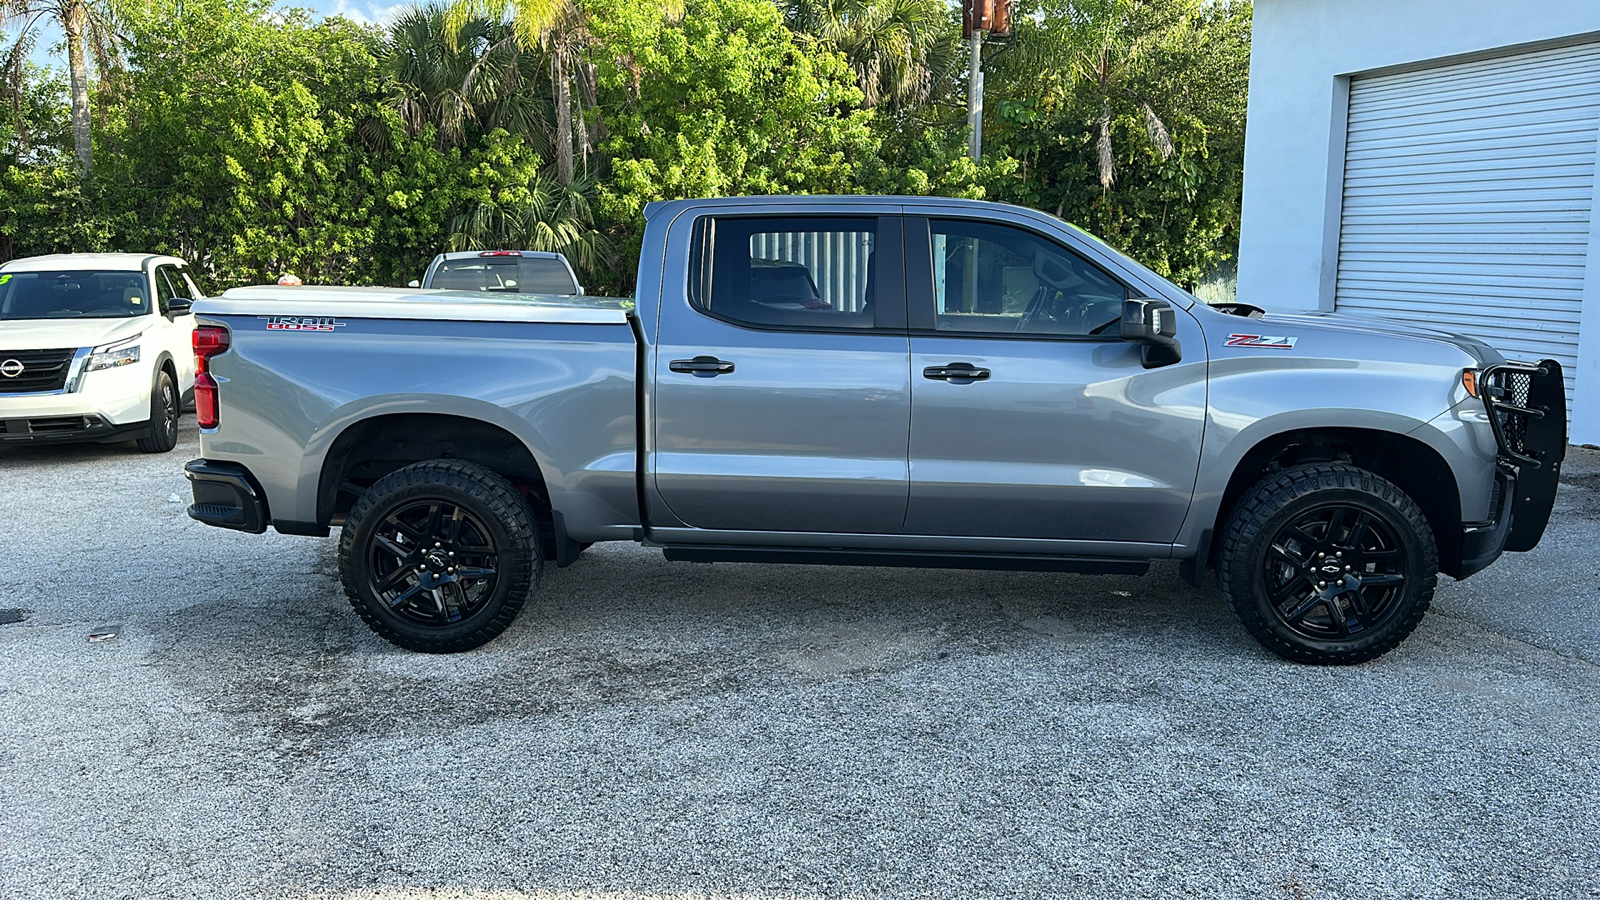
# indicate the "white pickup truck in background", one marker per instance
pixel 502 272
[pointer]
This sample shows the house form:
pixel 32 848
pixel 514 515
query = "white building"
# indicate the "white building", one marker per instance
pixel 1434 161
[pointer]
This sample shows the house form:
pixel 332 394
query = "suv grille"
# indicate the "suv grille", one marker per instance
pixel 41 370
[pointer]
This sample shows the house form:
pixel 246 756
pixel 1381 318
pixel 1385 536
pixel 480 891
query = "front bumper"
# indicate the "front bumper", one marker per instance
pixel 226 495
pixel 108 405
pixel 50 429
pixel 1527 407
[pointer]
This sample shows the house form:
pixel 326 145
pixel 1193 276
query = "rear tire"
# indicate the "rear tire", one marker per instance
pixel 165 407
pixel 1328 564
pixel 439 556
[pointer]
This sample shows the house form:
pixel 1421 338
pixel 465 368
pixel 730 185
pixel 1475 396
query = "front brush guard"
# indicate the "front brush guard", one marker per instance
pixel 1527 406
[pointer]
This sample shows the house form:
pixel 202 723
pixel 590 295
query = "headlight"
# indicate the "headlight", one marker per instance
pixel 109 356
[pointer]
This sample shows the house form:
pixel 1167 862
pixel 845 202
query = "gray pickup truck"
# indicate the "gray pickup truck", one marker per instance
pixel 873 381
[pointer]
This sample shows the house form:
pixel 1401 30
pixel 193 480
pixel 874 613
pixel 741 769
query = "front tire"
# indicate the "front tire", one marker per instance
pixel 165 407
pixel 439 556
pixel 1328 564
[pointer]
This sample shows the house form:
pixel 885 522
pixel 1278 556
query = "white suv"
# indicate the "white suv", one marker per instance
pixel 95 347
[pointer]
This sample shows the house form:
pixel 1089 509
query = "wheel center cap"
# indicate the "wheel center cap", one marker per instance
pixel 1332 569
pixel 436 560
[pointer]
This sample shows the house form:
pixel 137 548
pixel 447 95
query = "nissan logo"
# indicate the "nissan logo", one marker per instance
pixel 11 368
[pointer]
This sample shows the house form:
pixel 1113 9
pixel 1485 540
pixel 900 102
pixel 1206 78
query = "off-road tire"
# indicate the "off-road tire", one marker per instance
pixel 490 504
pixel 1274 524
pixel 165 407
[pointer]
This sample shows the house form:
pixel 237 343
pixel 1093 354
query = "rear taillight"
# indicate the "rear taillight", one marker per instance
pixel 209 340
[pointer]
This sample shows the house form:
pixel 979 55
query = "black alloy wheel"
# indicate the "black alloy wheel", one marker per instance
pixel 439 556
pixel 164 411
pixel 433 562
pixel 1335 572
pixel 1328 564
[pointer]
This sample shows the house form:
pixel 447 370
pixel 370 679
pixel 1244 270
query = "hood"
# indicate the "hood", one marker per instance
pixel 1338 322
pixel 59 334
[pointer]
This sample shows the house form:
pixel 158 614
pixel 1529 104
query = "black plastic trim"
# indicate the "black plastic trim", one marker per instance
pixel 567 550
pixel 905 558
pixel 304 529
pixel 226 495
pixel 1193 569
pixel 92 429
pixel 1483 542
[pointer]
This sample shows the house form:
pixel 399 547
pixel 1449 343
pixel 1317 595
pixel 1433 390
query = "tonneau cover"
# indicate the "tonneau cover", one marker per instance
pixel 411 303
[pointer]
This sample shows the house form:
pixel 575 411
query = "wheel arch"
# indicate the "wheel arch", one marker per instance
pixel 372 447
pixel 1408 462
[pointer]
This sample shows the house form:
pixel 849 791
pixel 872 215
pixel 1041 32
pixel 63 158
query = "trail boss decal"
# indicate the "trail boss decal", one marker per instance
pixel 301 323
pixel 1260 340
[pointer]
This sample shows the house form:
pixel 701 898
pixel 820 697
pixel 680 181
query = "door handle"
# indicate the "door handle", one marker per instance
pixel 957 372
pixel 701 366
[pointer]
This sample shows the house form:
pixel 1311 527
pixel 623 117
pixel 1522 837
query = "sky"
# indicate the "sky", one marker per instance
pixel 49 49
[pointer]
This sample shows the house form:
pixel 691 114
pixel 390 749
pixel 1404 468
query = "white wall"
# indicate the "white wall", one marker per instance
pixel 1302 54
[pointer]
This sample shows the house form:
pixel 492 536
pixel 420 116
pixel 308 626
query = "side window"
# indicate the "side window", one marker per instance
pixel 798 272
pixel 994 278
pixel 164 291
pixel 184 285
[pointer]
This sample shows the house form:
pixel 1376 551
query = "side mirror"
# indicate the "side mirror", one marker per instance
pixel 1153 324
pixel 179 306
pixel 414 283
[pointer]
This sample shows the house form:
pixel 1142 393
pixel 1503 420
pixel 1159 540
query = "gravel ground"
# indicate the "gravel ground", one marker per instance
pixel 676 731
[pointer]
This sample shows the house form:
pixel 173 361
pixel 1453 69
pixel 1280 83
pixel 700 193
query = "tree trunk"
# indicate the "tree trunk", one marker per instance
pixel 562 87
pixel 73 23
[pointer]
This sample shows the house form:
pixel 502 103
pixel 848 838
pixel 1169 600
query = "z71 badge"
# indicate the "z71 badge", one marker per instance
pixel 301 323
pixel 1260 340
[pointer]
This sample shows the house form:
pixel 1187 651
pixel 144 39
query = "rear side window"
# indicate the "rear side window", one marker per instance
pixel 797 272
pixel 505 274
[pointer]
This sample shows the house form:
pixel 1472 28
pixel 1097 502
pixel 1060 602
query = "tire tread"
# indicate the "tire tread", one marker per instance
pixel 1273 493
pixel 502 501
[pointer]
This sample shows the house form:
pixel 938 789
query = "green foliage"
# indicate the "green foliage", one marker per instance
pixel 255 141
pixel 1087 68
pixel 731 105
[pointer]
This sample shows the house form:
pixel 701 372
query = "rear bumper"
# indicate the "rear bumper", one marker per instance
pixel 226 495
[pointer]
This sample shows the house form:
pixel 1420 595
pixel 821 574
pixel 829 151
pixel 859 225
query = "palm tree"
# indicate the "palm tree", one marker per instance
pixel 898 49
pixel 556 217
pixel 1103 49
pixel 88 25
pixel 476 73
pixel 561 29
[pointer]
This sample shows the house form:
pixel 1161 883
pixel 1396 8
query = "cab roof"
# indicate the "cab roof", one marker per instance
pixel 116 262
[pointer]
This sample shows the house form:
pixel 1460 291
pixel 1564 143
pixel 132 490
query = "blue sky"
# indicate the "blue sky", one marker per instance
pixel 48 49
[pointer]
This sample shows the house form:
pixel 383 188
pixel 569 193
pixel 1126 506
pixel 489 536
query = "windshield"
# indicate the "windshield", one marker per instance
pixel 1145 270
pixel 504 274
pixel 73 295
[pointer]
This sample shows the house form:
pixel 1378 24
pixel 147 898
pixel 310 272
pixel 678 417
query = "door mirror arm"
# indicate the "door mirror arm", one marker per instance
pixel 1153 325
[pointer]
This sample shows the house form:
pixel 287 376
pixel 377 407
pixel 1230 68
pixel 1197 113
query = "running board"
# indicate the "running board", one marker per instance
pixel 709 553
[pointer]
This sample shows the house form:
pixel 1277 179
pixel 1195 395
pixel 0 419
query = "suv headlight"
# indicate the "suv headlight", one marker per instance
pixel 119 353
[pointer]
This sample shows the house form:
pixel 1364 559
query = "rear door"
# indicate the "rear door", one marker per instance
pixel 781 398
pixel 1030 417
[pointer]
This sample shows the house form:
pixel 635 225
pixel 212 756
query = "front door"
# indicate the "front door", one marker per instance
pixel 1031 418
pixel 781 397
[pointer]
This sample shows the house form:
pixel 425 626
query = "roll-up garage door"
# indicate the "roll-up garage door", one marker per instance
pixel 1468 190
